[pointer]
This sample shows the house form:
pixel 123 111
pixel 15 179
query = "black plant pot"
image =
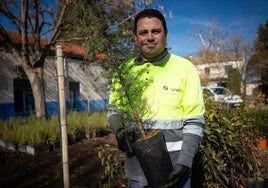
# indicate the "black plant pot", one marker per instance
pixel 154 159
pixel 255 184
pixel 265 183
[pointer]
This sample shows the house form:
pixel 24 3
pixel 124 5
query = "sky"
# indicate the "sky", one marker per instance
pixel 237 16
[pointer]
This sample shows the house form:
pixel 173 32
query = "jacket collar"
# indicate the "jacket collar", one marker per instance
pixel 163 58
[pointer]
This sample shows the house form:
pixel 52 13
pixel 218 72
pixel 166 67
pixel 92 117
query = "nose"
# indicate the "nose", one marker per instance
pixel 150 40
pixel 150 37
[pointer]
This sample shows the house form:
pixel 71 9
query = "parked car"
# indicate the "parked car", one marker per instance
pixel 222 95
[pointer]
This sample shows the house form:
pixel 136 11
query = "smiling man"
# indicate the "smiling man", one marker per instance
pixel 150 36
pixel 175 100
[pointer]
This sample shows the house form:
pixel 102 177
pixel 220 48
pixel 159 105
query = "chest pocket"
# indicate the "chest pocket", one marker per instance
pixel 169 93
pixel 165 96
pixel 165 91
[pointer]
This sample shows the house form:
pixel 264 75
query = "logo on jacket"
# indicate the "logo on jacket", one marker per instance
pixel 171 89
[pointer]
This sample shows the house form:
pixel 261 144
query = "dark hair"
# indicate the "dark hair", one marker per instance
pixel 149 13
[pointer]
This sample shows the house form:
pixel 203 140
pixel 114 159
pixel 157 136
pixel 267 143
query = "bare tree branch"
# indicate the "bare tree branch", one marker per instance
pixel 5 11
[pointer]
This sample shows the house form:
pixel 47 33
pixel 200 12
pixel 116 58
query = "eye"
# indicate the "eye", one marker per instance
pixel 143 32
pixel 156 31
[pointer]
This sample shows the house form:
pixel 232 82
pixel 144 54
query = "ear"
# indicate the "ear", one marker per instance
pixel 134 37
pixel 166 34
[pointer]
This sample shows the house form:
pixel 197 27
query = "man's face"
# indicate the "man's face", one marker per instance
pixel 150 38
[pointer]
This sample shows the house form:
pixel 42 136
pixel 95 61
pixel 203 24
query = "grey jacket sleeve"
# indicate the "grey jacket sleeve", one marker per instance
pixel 114 118
pixel 189 148
pixel 192 135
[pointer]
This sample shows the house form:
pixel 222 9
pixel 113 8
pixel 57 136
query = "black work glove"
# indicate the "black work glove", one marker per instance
pixel 178 173
pixel 126 136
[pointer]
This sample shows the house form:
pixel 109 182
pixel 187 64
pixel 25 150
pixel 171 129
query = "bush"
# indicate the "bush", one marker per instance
pixel 228 154
pixel 260 117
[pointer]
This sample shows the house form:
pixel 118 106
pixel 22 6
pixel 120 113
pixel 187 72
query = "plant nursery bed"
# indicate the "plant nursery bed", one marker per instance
pixel 28 148
pixel 21 169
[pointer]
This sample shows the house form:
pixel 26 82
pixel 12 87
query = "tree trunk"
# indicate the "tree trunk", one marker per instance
pixel 37 84
pixel 35 77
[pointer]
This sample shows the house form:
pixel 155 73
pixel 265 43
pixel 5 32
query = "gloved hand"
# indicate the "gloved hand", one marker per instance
pixel 178 173
pixel 125 136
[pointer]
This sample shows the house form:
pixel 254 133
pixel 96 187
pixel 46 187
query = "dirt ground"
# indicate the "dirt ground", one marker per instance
pixel 18 169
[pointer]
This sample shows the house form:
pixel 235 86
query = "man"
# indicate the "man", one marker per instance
pixel 176 102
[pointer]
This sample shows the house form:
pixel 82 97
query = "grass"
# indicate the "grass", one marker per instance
pixel 34 131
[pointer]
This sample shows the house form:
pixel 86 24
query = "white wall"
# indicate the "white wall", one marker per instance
pixel 7 74
pixel 92 82
pixel 217 70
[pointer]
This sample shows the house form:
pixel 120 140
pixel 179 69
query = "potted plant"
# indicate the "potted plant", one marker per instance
pixel 150 149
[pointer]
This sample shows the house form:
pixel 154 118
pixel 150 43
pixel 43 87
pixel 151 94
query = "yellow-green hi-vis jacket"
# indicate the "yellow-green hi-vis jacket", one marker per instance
pixel 168 96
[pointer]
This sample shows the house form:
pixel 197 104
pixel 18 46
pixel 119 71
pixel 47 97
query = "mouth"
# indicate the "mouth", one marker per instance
pixel 150 46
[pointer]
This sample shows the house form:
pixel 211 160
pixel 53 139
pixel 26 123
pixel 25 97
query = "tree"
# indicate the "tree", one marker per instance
pixel 258 69
pixel 234 81
pixel 239 50
pixel 92 21
pixel 211 37
pixel 258 63
pixel 261 43
pixel 220 45
pixel 33 20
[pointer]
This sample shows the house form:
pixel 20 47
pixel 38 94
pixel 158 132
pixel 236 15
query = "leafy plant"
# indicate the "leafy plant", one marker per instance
pixel 129 86
pixel 260 117
pixel 112 160
pixel 228 154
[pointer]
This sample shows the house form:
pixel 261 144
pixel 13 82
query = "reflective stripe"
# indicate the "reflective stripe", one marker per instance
pixel 193 129
pixel 163 124
pixel 174 146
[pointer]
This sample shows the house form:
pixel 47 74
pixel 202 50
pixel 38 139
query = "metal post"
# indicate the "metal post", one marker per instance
pixel 62 112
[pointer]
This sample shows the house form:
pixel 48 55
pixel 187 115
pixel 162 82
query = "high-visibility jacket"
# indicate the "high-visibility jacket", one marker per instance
pixel 173 93
pixel 174 97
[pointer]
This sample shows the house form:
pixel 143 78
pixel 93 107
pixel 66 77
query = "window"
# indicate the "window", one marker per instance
pixel 20 72
pixel 74 94
pixel 207 71
pixel 23 97
pixel 221 91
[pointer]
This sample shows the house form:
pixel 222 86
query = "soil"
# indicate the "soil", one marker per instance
pixel 19 169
